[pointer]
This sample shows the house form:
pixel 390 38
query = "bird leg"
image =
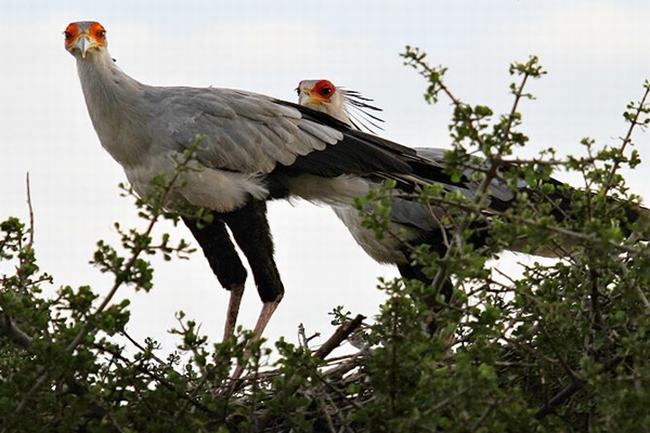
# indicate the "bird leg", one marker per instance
pixel 251 230
pixel 224 261
pixel 236 294
pixel 265 316
pixel 253 235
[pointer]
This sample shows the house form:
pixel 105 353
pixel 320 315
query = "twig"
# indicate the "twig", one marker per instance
pixel 114 422
pixel 301 336
pixel 31 210
pixel 637 288
pixel 339 335
pixel 445 401
pixel 642 295
pixel 344 367
pixel 342 422
pixel 572 374
pixel 518 94
pixel 627 139
pixel 143 349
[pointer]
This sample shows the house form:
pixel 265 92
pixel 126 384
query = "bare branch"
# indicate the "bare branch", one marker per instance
pixel 338 337
pixel 31 210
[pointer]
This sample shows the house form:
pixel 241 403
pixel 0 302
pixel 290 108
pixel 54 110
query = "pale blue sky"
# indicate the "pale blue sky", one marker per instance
pixel 596 53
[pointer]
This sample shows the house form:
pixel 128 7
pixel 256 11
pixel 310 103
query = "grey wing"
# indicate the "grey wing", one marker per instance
pixel 251 133
pixel 243 132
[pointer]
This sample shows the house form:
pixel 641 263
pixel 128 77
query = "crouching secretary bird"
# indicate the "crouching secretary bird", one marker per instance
pixel 256 148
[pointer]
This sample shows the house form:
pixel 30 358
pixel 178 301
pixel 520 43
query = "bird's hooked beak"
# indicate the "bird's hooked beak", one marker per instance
pixel 84 41
pixel 83 44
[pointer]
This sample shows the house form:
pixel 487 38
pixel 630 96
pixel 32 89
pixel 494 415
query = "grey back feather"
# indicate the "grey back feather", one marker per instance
pixel 243 131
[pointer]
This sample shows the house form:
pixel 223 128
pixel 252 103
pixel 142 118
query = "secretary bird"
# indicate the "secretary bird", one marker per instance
pixel 256 148
pixel 418 223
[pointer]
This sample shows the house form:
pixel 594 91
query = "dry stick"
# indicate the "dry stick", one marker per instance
pixel 31 211
pixel 22 260
pixel 336 360
pixel 119 280
pixel 339 335
pixel 346 366
pixel 559 398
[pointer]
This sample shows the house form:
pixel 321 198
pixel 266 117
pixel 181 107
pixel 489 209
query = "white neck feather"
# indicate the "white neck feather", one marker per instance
pixel 339 112
pixel 114 102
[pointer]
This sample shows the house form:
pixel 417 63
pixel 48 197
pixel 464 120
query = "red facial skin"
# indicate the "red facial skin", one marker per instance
pixel 96 32
pixel 71 32
pixel 324 88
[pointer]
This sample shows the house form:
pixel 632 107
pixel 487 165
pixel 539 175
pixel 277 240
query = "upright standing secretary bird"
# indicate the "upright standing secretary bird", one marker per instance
pixel 256 148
